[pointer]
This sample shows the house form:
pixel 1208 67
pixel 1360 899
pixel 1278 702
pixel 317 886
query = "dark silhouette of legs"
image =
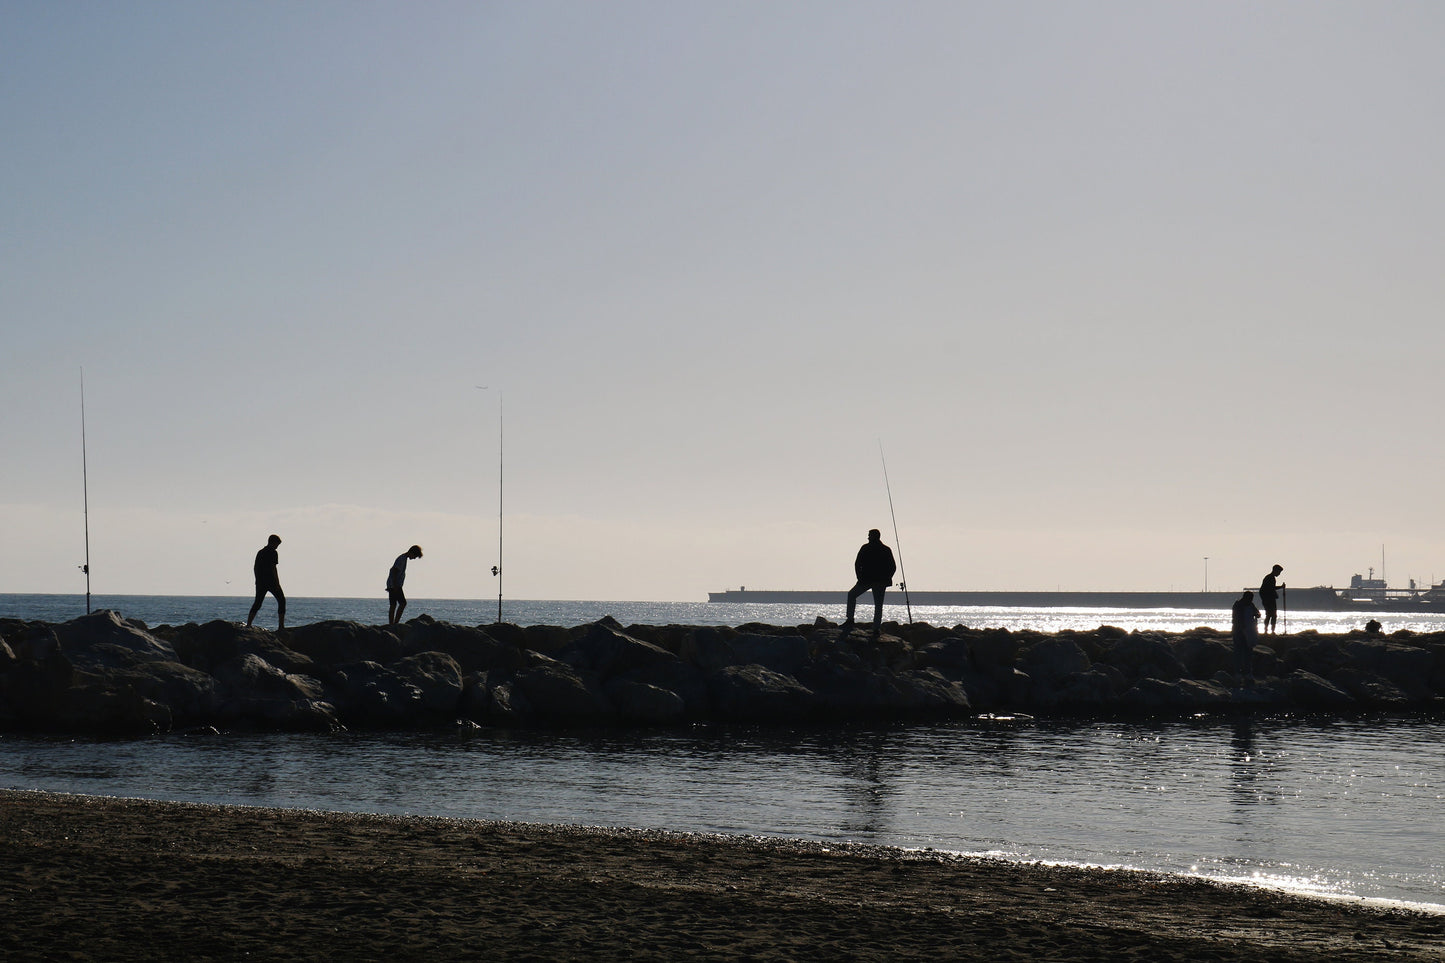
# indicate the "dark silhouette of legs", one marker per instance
pixel 261 591
pixel 878 591
pixel 858 590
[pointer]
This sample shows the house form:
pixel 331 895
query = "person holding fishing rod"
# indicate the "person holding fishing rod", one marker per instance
pixel 874 568
pixel 1269 598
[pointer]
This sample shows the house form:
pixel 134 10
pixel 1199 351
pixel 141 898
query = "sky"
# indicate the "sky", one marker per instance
pixel 1124 295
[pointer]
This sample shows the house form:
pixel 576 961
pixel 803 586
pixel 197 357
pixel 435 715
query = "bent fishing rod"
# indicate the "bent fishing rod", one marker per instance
pixel 897 543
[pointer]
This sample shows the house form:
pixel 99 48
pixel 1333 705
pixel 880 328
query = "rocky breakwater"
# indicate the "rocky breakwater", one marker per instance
pixel 105 674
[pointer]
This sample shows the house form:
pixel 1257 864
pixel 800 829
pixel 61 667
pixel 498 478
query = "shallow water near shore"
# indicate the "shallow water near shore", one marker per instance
pixel 1337 808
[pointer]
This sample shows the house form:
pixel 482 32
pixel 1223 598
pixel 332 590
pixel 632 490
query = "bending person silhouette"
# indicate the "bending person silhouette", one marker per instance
pixel 268 581
pixel 1269 597
pixel 874 568
pixel 396 599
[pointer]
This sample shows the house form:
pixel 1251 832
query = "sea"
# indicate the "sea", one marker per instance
pixel 1340 808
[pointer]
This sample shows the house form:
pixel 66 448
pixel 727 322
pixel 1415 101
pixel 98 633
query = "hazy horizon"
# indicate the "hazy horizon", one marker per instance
pixel 1115 286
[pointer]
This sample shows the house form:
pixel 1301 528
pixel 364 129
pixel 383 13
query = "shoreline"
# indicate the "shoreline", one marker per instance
pixel 116 878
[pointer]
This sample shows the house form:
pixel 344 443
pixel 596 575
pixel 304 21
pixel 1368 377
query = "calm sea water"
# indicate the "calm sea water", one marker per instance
pixel 179 609
pixel 1343 808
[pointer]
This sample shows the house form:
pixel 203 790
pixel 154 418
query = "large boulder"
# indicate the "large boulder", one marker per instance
pixel 1095 689
pixel 556 692
pixel 372 695
pixel 755 693
pixel 1144 657
pixel 255 692
pixel 437 679
pixel 336 642
pixel 105 638
pixel 1154 695
pixel 993 649
pixel 214 643
pixel 473 648
pixel 1370 690
pixel 608 651
pixel 712 649
pixel 1406 667
pixel 1048 662
pixel 1310 691
pixel 1202 656
pixel 638 702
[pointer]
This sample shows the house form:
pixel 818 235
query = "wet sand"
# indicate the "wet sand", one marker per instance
pixel 85 877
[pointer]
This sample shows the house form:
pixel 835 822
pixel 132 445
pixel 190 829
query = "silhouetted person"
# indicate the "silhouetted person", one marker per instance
pixel 1244 627
pixel 1269 597
pixel 396 598
pixel 268 581
pixel 874 568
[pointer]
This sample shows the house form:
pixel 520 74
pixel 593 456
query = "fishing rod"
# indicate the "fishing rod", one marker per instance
pixel 897 543
pixel 497 569
pixel 85 491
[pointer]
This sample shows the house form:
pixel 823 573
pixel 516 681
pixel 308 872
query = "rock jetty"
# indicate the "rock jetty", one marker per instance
pixel 105 674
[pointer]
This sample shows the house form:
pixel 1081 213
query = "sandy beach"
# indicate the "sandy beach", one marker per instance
pixel 87 877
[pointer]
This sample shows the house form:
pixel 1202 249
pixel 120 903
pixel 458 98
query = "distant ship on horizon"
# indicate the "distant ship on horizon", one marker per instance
pixel 1363 594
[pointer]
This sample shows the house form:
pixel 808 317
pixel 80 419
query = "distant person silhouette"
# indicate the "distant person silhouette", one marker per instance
pixel 1244 627
pixel 396 599
pixel 1269 597
pixel 874 568
pixel 268 581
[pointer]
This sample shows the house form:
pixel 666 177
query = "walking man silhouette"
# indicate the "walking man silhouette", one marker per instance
pixel 268 581
pixel 396 599
pixel 1269 597
pixel 874 568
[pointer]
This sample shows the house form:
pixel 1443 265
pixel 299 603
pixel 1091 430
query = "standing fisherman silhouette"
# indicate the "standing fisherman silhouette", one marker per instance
pixel 268 581
pixel 1269 597
pixel 874 568
pixel 396 599
pixel 1244 626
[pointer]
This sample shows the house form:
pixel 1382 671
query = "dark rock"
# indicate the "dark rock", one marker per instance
pixel 207 646
pixel 608 651
pixel 950 655
pixel 753 693
pixel 372 695
pixel 556 692
pixel 340 643
pixel 1369 690
pixel 1144 657
pixel 1094 689
pixel 639 702
pixel 1312 692
pixel 1051 660
pixel 105 638
pixel 992 649
pixel 473 649
pixel 437 679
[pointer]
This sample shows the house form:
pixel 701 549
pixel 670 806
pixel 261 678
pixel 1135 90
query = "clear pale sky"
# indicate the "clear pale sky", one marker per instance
pixel 1116 285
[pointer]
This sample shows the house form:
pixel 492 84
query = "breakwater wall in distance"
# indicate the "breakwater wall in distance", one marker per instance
pixel 106 675
pixel 1318 599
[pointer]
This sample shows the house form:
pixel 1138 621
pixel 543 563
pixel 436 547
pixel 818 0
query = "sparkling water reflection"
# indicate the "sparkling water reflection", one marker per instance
pixel 1343 808
pixel 179 609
